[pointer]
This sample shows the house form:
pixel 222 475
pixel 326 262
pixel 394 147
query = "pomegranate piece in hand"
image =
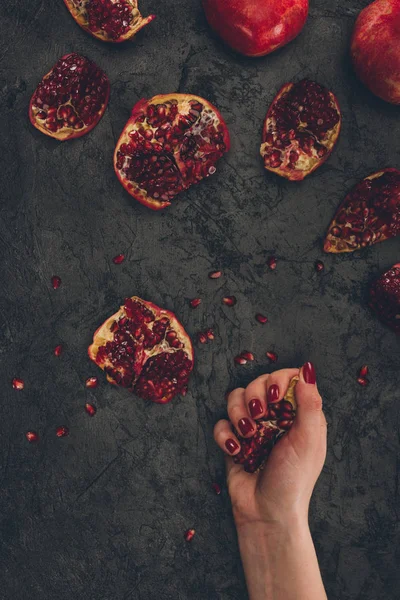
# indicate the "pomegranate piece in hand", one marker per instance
pixel 145 349
pixel 71 99
pixel 375 49
pixel 256 28
pixel 369 214
pixel 385 298
pixel 254 451
pixel 108 20
pixel 300 130
pixel 169 143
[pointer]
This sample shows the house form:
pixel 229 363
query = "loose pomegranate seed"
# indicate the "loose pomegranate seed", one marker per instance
pixel 362 381
pixel 216 488
pixel 90 409
pixel 62 431
pixel 215 274
pixel 117 260
pixel 202 338
pixel 248 356
pixel 55 282
pixel 272 356
pixel 240 360
pixel 58 350
pixel 92 382
pixel 271 262
pixel 195 302
pixel 31 436
pixel 261 318
pixel 363 371
pixel 18 384
pixel 229 300
pixel 319 266
pixel 189 535
pixel 210 334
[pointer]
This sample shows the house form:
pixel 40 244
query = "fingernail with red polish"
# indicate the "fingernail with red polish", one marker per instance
pixel 255 407
pixel 309 373
pixel 231 445
pixel 273 393
pixel 245 426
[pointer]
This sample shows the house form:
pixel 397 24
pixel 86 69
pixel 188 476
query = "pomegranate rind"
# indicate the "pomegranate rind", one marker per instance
pixel 308 163
pixel 139 110
pixel 68 133
pixel 105 334
pixel 384 298
pixel 254 451
pixel 338 244
pixel 80 17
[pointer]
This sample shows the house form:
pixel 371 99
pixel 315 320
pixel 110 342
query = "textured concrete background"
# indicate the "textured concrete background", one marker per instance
pixel 101 514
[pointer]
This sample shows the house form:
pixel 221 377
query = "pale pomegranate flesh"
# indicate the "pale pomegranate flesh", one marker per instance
pixel 254 451
pixel 385 298
pixel 71 99
pixel 145 349
pixel 369 214
pixel 300 130
pixel 169 143
pixel 108 20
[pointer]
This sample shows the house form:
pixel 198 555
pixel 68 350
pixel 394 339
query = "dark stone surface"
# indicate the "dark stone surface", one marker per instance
pixel 101 514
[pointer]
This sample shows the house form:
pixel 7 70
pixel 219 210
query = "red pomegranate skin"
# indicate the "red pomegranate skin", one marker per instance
pixel 256 27
pixel 375 49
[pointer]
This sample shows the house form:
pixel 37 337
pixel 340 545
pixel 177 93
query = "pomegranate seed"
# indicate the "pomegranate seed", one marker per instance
pixel 273 357
pixel 248 356
pixel 215 274
pixel 261 318
pixel 90 409
pixel 363 371
pixel 62 431
pixel 319 266
pixel 58 350
pixel 202 338
pixel 18 384
pixel 92 382
pixel 31 436
pixel 362 381
pixel 240 360
pixel 229 300
pixel 271 262
pixel 189 535
pixel 195 302
pixel 210 334
pixel 117 260
pixel 55 282
pixel 216 488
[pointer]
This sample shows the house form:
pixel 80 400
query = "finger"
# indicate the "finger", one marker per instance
pixel 225 438
pixel 238 413
pixel 309 402
pixel 278 384
pixel 256 397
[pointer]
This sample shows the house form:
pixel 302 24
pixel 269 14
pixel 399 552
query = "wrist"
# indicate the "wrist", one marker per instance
pixel 294 524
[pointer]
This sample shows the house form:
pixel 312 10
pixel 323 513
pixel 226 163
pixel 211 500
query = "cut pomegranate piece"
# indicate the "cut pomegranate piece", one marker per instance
pixel 32 436
pixel 385 298
pixel 108 20
pixel 55 282
pixel 169 143
pixel 364 370
pixel 272 262
pixel 362 381
pixel 90 409
pixel 62 431
pixel 18 384
pixel 71 99
pixel 144 348
pixel 215 274
pixel 300 130
pixel 189 535
pixel 195 302
pixel 319 266
pixel 58 350
pixel 202 337
pixel 272 356
pixel 92 382
pixel 229 300
pixel 117 260
pixel 217 488
pixel 261 318
pixel 369 214
pixel 254 451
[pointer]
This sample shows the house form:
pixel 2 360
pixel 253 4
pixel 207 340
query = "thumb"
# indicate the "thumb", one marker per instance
pixel 309 401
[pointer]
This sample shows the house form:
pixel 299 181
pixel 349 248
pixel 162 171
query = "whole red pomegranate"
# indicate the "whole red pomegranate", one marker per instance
pixel 108 20
pixel 254 451
pixel 144 348
pixel 256 27
pixel 300 130
pixel 375 49
pixel 385 298
pixel 369 214
pixel 71 99
pixel 169 143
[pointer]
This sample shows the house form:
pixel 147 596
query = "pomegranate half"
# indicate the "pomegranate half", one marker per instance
pixel 375 49
pixel 255 451
pixel 385 298
pixel 108 20
pixel 300 130
pixel 145 349
pixel 169 143
pixel 369 214
pixel 256 27
pixel 71 99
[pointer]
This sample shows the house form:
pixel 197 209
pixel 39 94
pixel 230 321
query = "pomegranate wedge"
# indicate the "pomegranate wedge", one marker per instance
pixel 170 143
pixel 385 298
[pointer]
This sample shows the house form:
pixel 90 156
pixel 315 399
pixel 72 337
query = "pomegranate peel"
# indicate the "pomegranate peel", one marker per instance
pixel 385 298
pixel 145 349
pixel 254 451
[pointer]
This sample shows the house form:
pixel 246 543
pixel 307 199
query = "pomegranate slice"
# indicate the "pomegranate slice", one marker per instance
pixel 369 214
pixel 300 130
pixel 144 348
pixel 71 99
pixel 169 143
pixel 254 451
pixel 108 20
pixel 385 298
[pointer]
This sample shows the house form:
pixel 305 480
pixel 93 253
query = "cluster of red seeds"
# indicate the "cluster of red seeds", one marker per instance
pixel 114 19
